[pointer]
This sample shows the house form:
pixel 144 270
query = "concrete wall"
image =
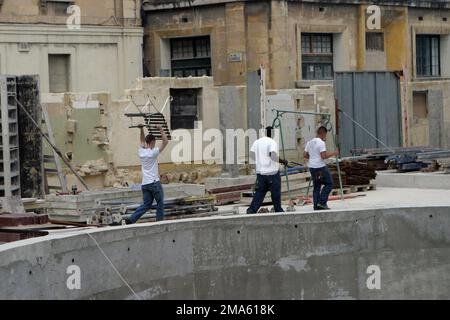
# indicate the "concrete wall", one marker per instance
pixel 288 256
pixel 93 130
pixel 436 129
pixel 389 179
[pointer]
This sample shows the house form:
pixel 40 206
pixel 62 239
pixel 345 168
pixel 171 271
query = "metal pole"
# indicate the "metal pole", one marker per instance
pixel 277 124
pixel 336 145
pixel 301 112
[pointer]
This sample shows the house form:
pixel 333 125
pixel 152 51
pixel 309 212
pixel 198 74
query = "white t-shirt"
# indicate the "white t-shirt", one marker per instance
pixel 314 148
pixel 149 161
pixel 264 163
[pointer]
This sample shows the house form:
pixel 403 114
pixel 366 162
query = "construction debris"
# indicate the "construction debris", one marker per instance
pixel 115 211
pixel 97 206
pixel 93 167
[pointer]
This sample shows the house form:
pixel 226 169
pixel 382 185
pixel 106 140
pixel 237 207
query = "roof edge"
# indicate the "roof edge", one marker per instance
pixel 154 5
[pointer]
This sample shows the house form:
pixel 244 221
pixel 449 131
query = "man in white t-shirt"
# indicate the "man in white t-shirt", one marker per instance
pixel 151 186
pixel 316 152
pixel 265 153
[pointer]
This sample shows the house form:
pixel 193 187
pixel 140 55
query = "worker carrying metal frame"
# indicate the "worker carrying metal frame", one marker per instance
pixel 316 152
pixel 266 155
pixel 151 186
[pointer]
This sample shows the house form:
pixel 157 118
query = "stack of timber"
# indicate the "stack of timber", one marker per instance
pixel 354 173
pixel 231 194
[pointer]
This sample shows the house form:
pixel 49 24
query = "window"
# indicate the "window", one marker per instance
pixel 374 41
pixel 317 56
pixel 58 67
pixel 55 7
pixel 183 108
pixel 420 108
pixel 191 57
pixel 428 58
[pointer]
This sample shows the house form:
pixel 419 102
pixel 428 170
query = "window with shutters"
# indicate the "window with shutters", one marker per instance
pixel 184 108
pixel 428 57
pixel 317 56
pixel 375 41
pixel 191 57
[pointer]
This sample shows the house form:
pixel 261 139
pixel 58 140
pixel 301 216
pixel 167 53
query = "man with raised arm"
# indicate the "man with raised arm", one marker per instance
pixel 151 186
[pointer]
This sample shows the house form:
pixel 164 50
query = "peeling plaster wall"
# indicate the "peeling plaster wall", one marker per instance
pixel 92 128
pixel 437 125
pixel 125 142
pixel 318 98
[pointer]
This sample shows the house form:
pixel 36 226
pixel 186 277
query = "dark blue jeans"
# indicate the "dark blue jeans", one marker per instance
pixel 153 191
pixel 321 177
pixel 264 184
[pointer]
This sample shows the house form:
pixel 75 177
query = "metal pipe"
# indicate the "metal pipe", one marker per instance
pixel 367 131
pixel 301 112
pixel 433 155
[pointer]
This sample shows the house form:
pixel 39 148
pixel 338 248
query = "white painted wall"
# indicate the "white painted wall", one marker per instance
pixel 125 141
pixel 101 58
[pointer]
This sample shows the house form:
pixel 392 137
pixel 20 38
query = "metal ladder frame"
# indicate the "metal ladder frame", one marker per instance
pixel 56 160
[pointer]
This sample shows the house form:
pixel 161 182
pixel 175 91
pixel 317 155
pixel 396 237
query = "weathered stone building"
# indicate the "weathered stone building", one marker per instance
pixel 105 53
pixel 302 43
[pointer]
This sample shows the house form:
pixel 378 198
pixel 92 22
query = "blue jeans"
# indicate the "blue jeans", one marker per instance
pixel 264 184
pixel 321 177
pixel 153 191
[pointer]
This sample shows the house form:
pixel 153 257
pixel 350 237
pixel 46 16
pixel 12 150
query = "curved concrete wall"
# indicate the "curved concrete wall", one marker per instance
pixel 286 256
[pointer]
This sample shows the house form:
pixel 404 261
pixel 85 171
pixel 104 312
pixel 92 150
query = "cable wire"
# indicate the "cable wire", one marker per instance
pixel 367 131
pixel 115 269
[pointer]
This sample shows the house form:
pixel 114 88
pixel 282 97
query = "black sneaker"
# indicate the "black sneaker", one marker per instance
pixel 322 207
pixel 127 221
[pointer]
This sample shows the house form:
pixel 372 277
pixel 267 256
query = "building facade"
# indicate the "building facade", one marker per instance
pixel 103 54
pixel 302 43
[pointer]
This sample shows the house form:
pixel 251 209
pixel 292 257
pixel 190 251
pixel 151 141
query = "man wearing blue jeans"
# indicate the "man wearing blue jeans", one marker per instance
pixel 316 152
pixel 151 186
pixel 265 153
